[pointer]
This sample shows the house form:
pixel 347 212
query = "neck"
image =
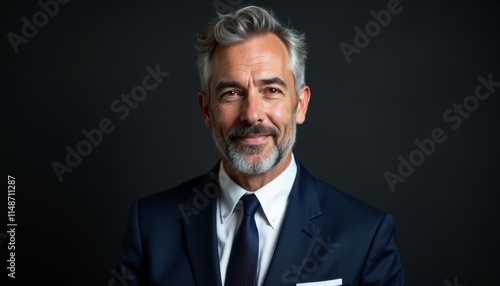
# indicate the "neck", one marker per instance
pixel 252 183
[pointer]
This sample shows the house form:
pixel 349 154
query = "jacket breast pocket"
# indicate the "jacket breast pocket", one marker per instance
pixel 334 282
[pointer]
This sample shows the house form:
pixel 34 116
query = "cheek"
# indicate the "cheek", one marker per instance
pixel 225 117
pixel 281 115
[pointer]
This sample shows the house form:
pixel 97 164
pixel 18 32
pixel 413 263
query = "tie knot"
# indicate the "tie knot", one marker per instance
pixel 250 204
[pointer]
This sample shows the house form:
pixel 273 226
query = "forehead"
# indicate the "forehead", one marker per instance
pixel 259 54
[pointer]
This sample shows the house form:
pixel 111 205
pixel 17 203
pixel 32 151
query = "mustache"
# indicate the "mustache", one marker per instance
pixel 242 131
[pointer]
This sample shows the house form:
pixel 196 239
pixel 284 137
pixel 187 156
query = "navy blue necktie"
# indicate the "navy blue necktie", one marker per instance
pixel 242 267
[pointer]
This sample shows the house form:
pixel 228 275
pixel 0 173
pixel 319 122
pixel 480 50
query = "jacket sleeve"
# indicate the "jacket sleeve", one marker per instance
pixel 383 264
pixel 131 269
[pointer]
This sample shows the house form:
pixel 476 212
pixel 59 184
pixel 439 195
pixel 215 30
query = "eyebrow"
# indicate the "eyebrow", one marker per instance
pixel 225 84
pixel 274 80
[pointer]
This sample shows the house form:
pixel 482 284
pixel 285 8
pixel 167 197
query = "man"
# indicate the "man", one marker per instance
pixel 258 217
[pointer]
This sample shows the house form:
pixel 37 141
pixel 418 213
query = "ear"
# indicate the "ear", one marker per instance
pixel 303 102
pixel 203 102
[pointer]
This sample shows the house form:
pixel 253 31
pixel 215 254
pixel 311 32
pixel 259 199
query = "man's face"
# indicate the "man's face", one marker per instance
pixel 252 108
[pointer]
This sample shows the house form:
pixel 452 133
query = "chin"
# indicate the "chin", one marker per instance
pixel 255 164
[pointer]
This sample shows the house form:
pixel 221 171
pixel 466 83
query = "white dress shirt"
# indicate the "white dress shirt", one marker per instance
pixel 273 199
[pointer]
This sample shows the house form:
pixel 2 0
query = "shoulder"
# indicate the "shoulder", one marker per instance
pixel 342 211
pixel 357 225
pixel 339 207
pixel 332 198
pixel 167 202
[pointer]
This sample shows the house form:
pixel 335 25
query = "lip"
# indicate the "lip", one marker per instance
pixel 254 139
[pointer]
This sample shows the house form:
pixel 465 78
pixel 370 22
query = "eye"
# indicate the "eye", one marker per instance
pixel 230 94
pixel 273 91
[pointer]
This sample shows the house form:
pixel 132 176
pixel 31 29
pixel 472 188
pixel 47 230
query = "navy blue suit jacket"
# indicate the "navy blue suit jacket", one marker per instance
pixel 326 234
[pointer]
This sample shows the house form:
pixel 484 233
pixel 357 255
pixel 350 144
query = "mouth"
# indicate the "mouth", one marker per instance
pixel 253 139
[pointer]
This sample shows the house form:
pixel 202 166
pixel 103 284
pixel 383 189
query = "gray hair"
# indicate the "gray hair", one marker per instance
pixel 238 26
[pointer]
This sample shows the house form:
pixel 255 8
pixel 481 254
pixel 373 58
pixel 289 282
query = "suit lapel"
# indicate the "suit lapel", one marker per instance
pixel 200 230
pixel 298 233
pixel 295 242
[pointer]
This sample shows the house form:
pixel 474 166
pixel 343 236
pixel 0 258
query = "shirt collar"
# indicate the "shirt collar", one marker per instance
pixel 273 197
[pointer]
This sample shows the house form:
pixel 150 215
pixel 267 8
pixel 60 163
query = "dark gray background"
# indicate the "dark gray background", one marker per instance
pixel 361 117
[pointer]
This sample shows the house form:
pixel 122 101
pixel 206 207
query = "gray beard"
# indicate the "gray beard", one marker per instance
pixel 238 161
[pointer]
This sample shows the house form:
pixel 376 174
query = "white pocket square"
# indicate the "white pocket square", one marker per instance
pixel 334 282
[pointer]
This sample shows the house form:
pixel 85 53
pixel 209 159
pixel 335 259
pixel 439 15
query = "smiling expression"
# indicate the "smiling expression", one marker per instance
pixel 252 107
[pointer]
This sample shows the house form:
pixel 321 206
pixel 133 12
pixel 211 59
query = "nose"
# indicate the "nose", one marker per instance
pixel 252 109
